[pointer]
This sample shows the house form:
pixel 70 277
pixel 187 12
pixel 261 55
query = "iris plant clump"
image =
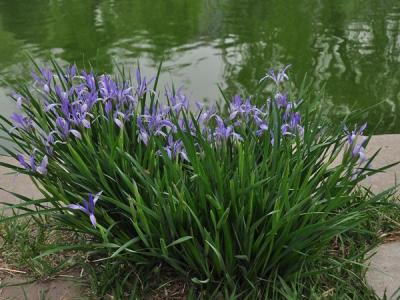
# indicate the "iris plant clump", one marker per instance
pixel 236 194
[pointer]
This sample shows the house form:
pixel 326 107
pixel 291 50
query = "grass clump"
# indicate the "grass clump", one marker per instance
pixel 245 199
pixel 22 240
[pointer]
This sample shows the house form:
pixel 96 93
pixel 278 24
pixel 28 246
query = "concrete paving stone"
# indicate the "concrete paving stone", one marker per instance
pixel 384 271
pixel 17 183
pixel 54 289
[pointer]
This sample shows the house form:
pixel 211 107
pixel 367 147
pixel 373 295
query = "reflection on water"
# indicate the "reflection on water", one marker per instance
pixel 352 47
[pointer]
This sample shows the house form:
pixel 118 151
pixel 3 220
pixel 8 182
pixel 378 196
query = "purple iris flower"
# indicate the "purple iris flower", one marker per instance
pixel 63 96
pixel 126 93
pixel 107 87
pixel 175 149
pixel 272 138
pixel 86 96
pixel 243 108
pixel 23 163
pixel 49 144
pixel 119 118
pixel 88 207
pixel 121 99
pixel 144 135
pixel 293 125
pixel 79 114
pixel 281 100
pixel 31 164
pixel 70 71
pixel 20 100
pixel 178 101
pixel 278 77
pixel 359 151
pixel 187 126
pixel 204 117
pixel 223 132
pixel 157 121
pixel 352 135
pixel 21 121
pixel 90 81
pixel 142 84
pixel 262 125
pixel 75 112
pixel 64 129
pixel 44 79
pixel 108 107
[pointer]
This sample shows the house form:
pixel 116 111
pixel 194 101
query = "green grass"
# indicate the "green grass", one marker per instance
pixel 341 275
pixel 22 240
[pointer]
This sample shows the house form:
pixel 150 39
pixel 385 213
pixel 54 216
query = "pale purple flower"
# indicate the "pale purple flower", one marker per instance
pixel 42 168
pixel 352 135
pixel 88 207
pixel 107 87
pixel 31 164
pixel 44 79
pixel 272 138
pixel 187 126
pixel 144 135
pixel 20 100
pixel 205 116
pixel 157 121
pixel 119 118
pixel 260 121
pixel 142 84
pixel 281 100
pixel 293 125
pixel 178 101
pixel 223 132
pixel 357 149
pixel 79 114
pixel 64 129
pixel 23 163
pixel 21 121
pixel 108 107
pixel 49 143
pixel 359 152
pixel 240 107
pixel 175 149
pixel 70 71
pixel 278 77
pixel 261 129
pixel 90 81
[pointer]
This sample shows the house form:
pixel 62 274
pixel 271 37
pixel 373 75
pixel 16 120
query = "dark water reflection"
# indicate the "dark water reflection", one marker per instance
pixel 352 47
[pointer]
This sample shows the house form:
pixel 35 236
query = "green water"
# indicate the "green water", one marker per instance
pixel 352 47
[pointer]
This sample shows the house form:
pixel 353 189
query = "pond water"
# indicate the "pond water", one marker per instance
pixel 351 47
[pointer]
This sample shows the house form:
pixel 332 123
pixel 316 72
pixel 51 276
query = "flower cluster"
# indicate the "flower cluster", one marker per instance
pixel 74 103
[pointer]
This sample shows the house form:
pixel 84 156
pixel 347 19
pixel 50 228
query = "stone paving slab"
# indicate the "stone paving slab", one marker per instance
pixel 55 289
pixel 389 145
pixel 17 183
pixel 384 271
